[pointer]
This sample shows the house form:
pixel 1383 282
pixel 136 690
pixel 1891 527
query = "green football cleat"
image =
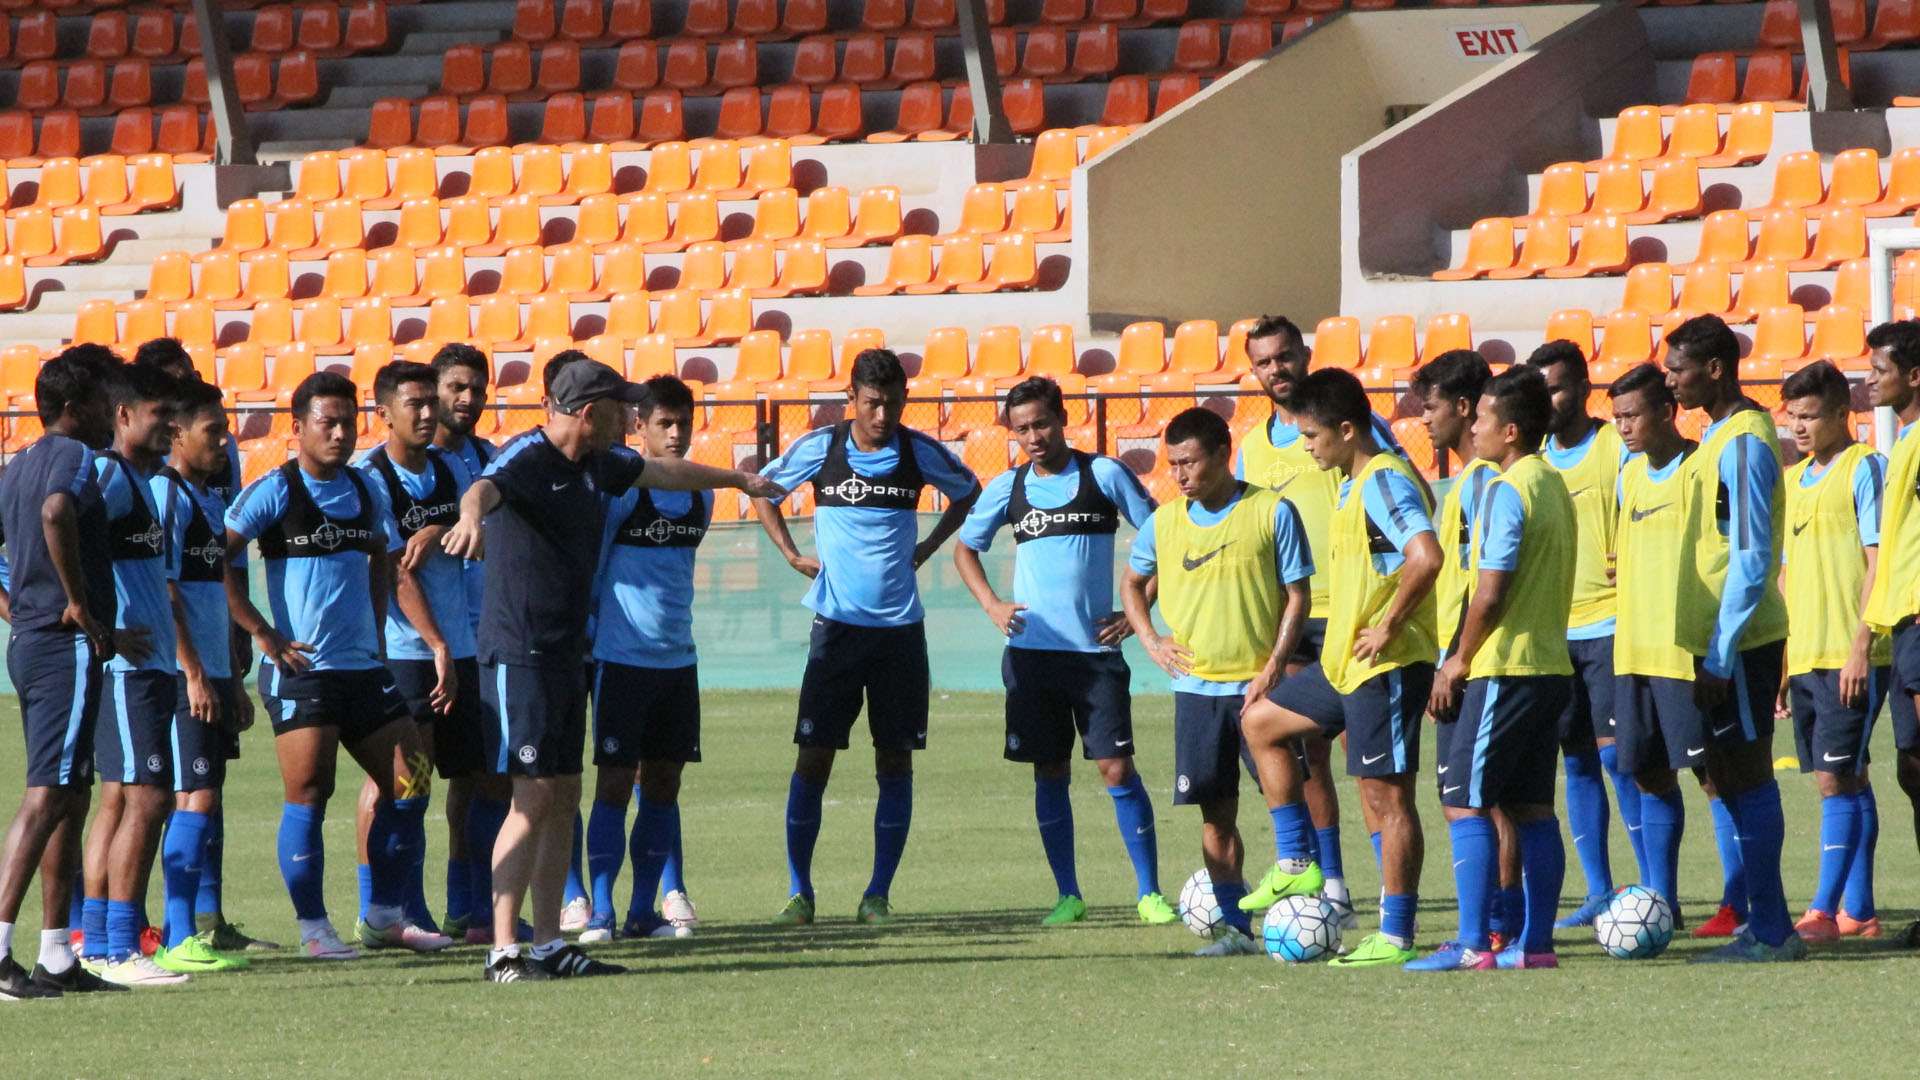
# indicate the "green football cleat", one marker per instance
pixel 1278 883
pixel 798 912
pixel 874 911
pixel 1155 911
pixel 1070 909
pixel 1375 951
pixel 195 955
pixel 1747 949
pixel 227 937
pixel 456 928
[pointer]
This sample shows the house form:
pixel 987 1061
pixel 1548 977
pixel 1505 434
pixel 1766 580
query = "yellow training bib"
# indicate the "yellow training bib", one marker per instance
pixel 1290 472
pixel 1896 589
pixel 1591 483
pixel 1531 636
pixel 1455 533
pixel 1219 590
pixel 1825 566
pixel 1704 576
pixel 1360 593
pixel 1648 540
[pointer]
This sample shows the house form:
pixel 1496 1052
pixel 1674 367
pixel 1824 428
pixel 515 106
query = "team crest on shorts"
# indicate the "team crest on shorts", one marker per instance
pixel 200 766
pixel 610 744
pixel 154 763
pixel 806 727
pixel 1013 742
pixel 1183 783
pixel 527 754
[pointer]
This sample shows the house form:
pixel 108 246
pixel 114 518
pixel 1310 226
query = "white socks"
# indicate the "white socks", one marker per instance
pixel 6 939
pixel 541 952
pixel 313 928
pixel 1336 891
pixel 56 951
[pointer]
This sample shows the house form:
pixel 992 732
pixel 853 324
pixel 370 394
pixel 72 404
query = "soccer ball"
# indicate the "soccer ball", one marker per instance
pixel 1198 908
pixel 1302 929
pixel 1636 925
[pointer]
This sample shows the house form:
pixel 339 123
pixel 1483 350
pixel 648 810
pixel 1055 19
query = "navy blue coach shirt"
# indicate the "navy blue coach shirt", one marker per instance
pixel 52 465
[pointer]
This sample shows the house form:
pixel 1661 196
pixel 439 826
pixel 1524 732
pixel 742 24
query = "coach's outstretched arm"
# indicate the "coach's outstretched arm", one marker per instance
pixel 289 656
pixel 679 474
pixel 1137 591
pixel 466 538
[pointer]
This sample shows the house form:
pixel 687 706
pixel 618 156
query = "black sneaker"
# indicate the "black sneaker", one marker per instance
pixel 570 962
pixel 75 980
pixel 508 969
pixel 15 985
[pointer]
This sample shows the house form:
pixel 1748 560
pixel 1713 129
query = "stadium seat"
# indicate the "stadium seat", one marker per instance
pixel 865 60
pixel 736 62
pixel 273 29
pixel 1637 136
pixel 663 117
pixel 1782 236
pixel 1839 335
pixel 34 36
pixel 1713 80
pixel 534 20
pixel 706 18
pixel 1197 47
pixel 1627 339
pixel 1895 23
pixel 1547 244
pixel 1749 137
pixel 1797 181
pixel 1336 343
pixel 1780 22
pixel 1012 267
pixel 1725 237
pixel 1247 40
pixel 1572 324
pixel 320 30
pixel 1841 235
pixel 1770 78
pixel 1705 289
pixel 1489 247
pixel 1779 336
pixel 1856 178
pixel 961 261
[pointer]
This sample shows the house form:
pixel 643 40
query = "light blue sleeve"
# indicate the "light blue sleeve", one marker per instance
pixel 260 506
pixel 176 510
pixel 1118 483
pixel 376 486
pixel 1500 525
pixel 1383 434
pixel 1869 479
pixel 942 468
pixel 1292 555
pixel 114 489
pixel 989 514
pixel 1396 508
pixel 801 461
pixel 1752 480
pixel 1240 464
pixel 1143 559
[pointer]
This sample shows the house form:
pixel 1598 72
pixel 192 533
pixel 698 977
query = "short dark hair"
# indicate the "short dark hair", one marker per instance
pixel 879 369
pixel 392 376
pixel 1645 379
pixel 195 396
pixel 1705 338
pixel 130 384
pixel 168 355
pixel 1333 396
pixel 1037 390
pixel 664 392
pixel 1520 397
pixel 1202 424
pixel 1822 380
pixel 323 384
pixel 1270 325
pixel 460 354
pixel 555 363
pixel 1901 339
pixel 1559 351
pixel 94 360
pixel 61 382
pixel 1454 375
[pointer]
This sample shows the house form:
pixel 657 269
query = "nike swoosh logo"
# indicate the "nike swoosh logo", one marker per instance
pixel 1142 830
pixel 1642 515
pixel 1831 758
pixel 1719 731
pixel 1577 492
pixel 1696 751
pixel 1801 527
pixel 1449 791
pixel 1123 742
pixel 1282 485
pixel 1460 864
pixel 1191 564
pixel 1442 770
pixel 559 487
pixel 1833 847
pixel 303 858
pixel 1371 760
pixel 1579 838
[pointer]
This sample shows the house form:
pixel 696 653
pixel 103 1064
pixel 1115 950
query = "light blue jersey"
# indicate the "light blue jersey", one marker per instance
pixel 196 560
pixel 443 578
pixel 140 564
pixel 1395 507
pixel 643 600
pixel 476 454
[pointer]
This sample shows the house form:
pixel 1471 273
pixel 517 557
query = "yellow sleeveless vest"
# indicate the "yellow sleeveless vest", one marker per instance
pixel 1290 472
pixel 1896 589
pixel 1219 591
pixel 1360 594
pixel 1647 567
pixel 1825 566
pixel 1456 555
pixel 1704 578
pixel 1531 636
pixel 1590 483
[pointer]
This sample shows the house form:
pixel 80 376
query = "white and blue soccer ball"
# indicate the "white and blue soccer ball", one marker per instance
pixel 1301 929
pixel 1198 908
pixel 1637 924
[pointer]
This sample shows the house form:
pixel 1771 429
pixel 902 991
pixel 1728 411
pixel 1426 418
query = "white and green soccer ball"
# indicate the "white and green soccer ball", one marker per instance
pixel 1198 908
pixel 1301 930
pixel 1636 924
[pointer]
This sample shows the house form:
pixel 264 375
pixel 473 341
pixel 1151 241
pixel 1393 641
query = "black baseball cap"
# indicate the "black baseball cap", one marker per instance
pixel 584 382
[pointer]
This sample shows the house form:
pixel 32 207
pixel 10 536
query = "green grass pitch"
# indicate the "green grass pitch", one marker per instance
pixel 967 983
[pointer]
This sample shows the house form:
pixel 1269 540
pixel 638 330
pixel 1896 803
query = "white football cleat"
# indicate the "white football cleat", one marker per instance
pixel 137 970
pixel 1229 941
pixel 325 944
pixel 576 915
pixel 677 908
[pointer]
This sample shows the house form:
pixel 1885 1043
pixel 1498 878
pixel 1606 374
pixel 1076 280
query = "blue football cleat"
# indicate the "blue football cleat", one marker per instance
pixel 1584 915
pixel 1452 956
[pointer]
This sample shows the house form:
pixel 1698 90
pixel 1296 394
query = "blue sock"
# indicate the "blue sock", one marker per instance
pixel 1327 842
pixel 1627 795
pixel 303 858
pixel 1229 895
pixel 180 858
pixel 123 929
pixel 1397 911
pixel 1543 869
pixel 1475 873
pixel 1510 910
pixel 892 817
pixel 1133 813
pixel 207 900
pixel 93 927
pixel 652 848
pixel 1839 838
pixel 606 850
pixel 364 875
pixel 1587 816
pixel 1663 821
pixel 1733 872
pixel 390 851
pixel 803 829
pixel 412 838
pixel 484 818
pixel 459 891
pixel 1763 833
pixel 1375 837
pixel 576 870
pixel 77 901
pixel 673 875
pixel 1859 895
pixel 1053 812
pixel 1292 832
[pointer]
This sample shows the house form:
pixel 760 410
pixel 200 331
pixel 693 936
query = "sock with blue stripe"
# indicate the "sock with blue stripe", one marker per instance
pixel 1327 843
pixel 1663 821
pixel 484 819
pixel 803 829
pixel 386 864
pixel 1510 910
pixel 1475 874
pixel 77 900
pixel 207 899
pixel 180 859
pixel 673 875
pixel 576 868
pixel 93 928
pixel 892 818
pixel 1839 839
pixel 1228 895
pixel 123 930
pixel 1292 836
pixel 1763 833
pixel 459 891
pixel 1858 901
pixel 606 850
pixel 1133 813
pixel 413 840
pixel 1627 794
pixel 1733 872
pixel 1397 914
pixel 652 849
pixel 1053 813
pixel 303 862
pixel 1543 870
pixel 1589 820
pixel 363 874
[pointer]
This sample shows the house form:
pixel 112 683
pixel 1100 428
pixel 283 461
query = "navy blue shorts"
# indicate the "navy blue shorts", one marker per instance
pixel 1905 684
pixel 58 678
pixel 1656 724
pixel 1747 713
pixel 1589 712
pixel 358 703
pixel 885 665
pixel 1505 746
pixel 1313 638
pixel 1832 737
pixel 200 749
pixel 457 740
pixel 1054 694
pixel 1206 744
pixel 538 718
pixel 1443 732
pixel 133 740
pixel 645 714
pixel 1381 718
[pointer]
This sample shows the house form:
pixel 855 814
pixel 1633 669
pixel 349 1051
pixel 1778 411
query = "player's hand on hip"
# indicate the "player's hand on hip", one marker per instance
pixel 1007 616
pixel 923 551
pixel 1112 629
pixel 466 540
pixel 807 565
pixel 421 545
pixel 1370 643
pixel 1174 658
pixel 289 656
pixel 446 686
pixel 77 617
pixel 760 487
pixel 202 704
pixel 133 642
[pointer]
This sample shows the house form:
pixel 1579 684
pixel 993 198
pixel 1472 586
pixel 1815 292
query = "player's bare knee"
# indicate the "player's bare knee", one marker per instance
pixel 1115 772
pixel 1054 770
pixel 1907 770
pixel 660 781
pixel 614 786
pixel 892 762
pixel 814 764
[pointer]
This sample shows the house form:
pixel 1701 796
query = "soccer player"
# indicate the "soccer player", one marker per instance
pixel 1588 453
pixel 325 534
pixel 1376 670
pixel 1836 664
pixel 1063 669
pixel 1507 679
pixel 1232 570
pixel 540 501
pixel 133 745
pixel 1729 614
pixel 429 637
pixel 868 637
pixel 646 688
pixel 59 601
